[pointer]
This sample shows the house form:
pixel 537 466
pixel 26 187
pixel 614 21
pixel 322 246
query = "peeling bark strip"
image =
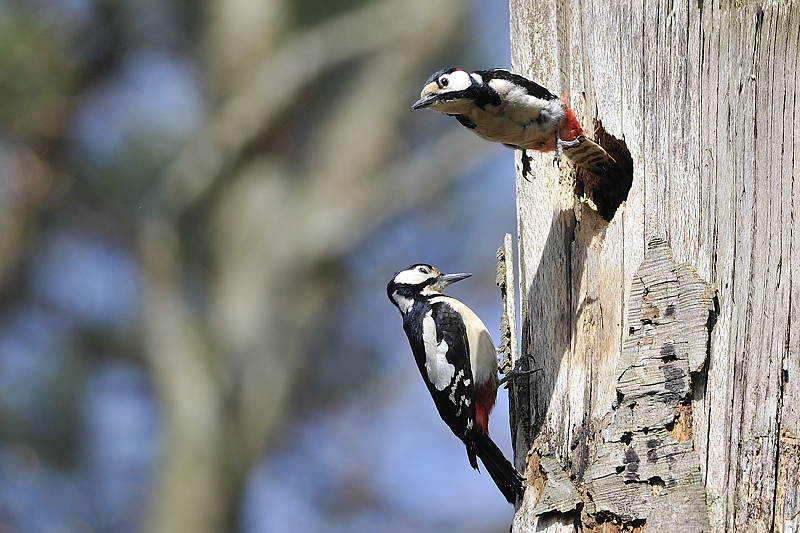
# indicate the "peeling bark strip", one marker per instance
pixel 508 321
pixel 558 493
pixel 642 473
pixel 509 346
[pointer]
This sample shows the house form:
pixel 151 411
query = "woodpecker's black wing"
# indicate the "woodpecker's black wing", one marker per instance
pixel 445 367
pixel 456 402
pixel 533 88
pixel 438 339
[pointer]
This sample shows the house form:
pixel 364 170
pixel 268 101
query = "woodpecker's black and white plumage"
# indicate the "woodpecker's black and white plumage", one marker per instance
pixel 458 362
pixel 503 107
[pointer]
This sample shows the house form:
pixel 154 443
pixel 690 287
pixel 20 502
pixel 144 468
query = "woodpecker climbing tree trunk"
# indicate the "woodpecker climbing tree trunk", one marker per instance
pixel 668 326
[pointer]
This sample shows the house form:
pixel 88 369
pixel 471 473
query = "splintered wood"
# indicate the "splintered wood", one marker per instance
pixel 643 474
pixel 558 493
pixel 508 321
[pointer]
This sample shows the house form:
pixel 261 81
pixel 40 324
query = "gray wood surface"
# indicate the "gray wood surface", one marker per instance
pixel 646 470
pixel 705 97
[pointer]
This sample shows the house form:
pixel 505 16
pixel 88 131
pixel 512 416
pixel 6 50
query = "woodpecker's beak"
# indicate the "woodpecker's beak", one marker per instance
pixel 428 96
pixel 425 101
pixel 448 279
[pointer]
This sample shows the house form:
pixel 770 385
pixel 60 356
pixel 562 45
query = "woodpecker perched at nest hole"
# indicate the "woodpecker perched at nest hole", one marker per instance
pixel 458 362
pixel 503 107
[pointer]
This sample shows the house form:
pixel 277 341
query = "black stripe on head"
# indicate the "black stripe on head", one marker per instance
pixel 435 76
pixel 416 275
pixel 407 284
pixel 474 90
pixel 481 94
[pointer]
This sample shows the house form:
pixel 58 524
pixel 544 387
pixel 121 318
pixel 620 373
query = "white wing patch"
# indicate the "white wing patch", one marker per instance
pixel 440 371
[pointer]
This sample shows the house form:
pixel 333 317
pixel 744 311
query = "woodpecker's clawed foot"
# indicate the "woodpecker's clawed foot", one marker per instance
pixel 526 165
pixel 558 155
pixel 517 371
pixel 560 145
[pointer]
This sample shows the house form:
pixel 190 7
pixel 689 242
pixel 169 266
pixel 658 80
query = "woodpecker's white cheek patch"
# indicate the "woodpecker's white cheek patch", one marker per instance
pixel 440 371
pixel 458 80
pixel 403 303
pixel 411 277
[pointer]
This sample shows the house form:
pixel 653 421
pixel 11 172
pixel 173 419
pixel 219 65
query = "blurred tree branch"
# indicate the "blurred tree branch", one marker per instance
pixel 190 473
pixel 29 187
pixel 278 79
pixel 239 34
pixel 37 88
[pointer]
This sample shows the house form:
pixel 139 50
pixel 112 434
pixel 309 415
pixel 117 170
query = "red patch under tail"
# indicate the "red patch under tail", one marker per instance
pixel 570 129
pixel 485 398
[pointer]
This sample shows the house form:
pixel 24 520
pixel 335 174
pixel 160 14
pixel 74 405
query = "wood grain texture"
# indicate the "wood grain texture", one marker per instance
pixel 705 96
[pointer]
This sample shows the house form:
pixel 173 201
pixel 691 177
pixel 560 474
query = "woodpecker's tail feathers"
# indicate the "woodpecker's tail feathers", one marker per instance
pixel 590 156
pixel 502 472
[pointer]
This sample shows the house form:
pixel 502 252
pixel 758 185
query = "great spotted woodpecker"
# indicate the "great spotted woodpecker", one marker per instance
pixel 506 108
pixel 458 362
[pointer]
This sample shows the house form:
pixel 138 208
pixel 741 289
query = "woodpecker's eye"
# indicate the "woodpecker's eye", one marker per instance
pixel 444 81
pixel 424 270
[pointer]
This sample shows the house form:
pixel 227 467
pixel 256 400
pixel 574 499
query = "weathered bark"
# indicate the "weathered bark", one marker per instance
pixel 705 98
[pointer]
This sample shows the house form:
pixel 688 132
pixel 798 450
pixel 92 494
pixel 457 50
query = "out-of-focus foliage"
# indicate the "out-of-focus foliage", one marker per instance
pixel 36 77
pixel 200 205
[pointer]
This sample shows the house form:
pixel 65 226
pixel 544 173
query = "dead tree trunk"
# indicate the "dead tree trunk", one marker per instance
pixel 666 317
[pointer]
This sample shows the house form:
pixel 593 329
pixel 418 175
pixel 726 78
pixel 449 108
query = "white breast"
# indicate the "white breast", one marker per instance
pixel 521 119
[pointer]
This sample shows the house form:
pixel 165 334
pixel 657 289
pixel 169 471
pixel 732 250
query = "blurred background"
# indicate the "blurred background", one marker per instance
pixel 201 204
